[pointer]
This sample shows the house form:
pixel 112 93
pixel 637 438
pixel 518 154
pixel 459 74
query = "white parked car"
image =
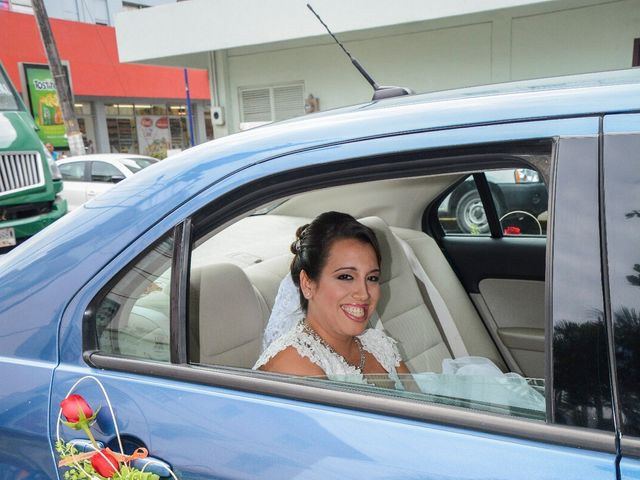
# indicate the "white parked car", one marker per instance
pixel 86 176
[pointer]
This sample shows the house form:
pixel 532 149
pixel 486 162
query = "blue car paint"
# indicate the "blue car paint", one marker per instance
pixel 244 435
pixel 38 279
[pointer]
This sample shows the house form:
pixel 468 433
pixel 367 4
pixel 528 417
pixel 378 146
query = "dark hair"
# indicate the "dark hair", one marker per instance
pixel 314 241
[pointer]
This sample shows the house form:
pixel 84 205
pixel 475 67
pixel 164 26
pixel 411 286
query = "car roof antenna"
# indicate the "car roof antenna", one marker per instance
pixel 378 92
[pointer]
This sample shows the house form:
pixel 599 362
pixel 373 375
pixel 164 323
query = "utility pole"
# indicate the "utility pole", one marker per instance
pixel 74 135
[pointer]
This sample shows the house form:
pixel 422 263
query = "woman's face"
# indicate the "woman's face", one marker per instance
pixel 346 293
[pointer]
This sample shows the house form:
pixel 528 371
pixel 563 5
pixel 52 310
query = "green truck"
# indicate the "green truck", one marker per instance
pixel 29 177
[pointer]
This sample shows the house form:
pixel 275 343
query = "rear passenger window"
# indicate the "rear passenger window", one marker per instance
pixel 518 195
pixel 236 282
pixel 474 343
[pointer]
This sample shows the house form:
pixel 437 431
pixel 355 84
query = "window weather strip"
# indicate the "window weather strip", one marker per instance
pixel 179 282
pixel 608 319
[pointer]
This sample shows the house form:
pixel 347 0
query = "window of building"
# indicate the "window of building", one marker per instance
pixel 132 6
pixel 208 123
pixel 271 104
pixel 22 6
pixel 122 135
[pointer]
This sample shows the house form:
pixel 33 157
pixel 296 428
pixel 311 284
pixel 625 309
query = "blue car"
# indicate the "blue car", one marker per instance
pixel 151 301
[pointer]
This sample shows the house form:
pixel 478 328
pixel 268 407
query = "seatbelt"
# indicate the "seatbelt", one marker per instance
pixel 448 326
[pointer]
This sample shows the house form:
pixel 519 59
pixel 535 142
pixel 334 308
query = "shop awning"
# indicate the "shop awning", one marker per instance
pixel 92 54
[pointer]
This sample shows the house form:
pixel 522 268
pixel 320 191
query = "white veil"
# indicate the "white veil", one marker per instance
pixel 286 311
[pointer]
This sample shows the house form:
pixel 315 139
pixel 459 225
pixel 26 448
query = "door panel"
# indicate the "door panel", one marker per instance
pixel 630 469
pixel 208 432
pixel 516 310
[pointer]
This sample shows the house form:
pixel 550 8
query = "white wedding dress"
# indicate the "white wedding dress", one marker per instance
pixel 376 342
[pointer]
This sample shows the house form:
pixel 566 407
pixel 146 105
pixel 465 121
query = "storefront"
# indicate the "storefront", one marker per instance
pixel 120 107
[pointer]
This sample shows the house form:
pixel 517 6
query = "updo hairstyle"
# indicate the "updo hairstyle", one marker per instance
pixel 314 241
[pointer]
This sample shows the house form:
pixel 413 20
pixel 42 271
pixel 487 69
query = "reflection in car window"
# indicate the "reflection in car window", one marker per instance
pixel 622 203
pixel 132 318
pixel 520 198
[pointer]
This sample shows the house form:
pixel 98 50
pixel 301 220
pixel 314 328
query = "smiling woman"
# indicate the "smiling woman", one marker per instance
pixel 336 268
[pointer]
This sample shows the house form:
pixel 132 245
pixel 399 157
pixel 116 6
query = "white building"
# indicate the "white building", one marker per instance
pixel 265 57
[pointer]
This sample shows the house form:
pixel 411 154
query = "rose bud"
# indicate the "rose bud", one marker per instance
pixel 71 407
pixel 105 463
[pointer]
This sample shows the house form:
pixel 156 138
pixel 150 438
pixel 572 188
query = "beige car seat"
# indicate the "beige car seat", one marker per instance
pixel 227 316
pixel 408 317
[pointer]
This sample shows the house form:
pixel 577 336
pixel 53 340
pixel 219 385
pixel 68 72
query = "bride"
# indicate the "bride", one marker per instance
pixel 336 271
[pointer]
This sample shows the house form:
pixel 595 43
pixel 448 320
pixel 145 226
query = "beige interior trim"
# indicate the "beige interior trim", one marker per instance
pixel 492 328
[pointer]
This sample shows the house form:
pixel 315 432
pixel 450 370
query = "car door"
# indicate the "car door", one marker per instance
pixel 222 421
pixel 102 177
pixel 621 198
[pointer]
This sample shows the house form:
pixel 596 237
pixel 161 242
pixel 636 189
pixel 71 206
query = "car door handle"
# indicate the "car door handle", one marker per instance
pixel 155 465
pixel 91 193
pixel 84 446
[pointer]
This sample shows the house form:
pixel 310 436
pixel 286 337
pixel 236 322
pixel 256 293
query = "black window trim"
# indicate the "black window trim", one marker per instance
pixel 270 188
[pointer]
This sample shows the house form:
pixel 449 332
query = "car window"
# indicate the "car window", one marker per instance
pixel 520 198
pixel 622 204
pixel 136 164
pixel 132 318
pixel 73 172
pixel 104 172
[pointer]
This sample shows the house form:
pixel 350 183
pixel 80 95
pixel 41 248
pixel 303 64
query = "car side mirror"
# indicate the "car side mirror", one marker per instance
pixel 117 178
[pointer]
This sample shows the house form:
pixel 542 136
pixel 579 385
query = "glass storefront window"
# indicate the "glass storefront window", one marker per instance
pixel 83 108
pixel 110 109
pixel 125 109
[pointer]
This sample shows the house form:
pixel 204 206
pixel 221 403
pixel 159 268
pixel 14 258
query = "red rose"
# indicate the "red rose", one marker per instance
pixel 512 231
pixel 71 407
pixel 105 463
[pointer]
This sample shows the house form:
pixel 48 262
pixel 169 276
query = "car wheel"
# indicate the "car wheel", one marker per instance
pixel 470 214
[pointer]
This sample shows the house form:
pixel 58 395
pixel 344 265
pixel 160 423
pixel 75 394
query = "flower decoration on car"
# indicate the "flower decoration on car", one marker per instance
pixel 512 230
pixel 90 460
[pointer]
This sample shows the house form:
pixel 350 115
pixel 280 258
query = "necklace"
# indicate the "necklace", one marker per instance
pixel 311 332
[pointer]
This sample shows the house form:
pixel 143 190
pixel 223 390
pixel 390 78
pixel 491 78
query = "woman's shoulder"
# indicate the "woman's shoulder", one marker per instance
pixel 381 346
pixel 376 335
pixel 291 362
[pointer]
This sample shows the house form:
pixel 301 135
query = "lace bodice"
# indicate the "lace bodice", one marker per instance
pixel 376 342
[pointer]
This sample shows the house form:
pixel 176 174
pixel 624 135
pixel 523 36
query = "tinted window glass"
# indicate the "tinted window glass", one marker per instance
pixel 132 319
pixel 72 171
pixel 582 394
pixel 622 204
